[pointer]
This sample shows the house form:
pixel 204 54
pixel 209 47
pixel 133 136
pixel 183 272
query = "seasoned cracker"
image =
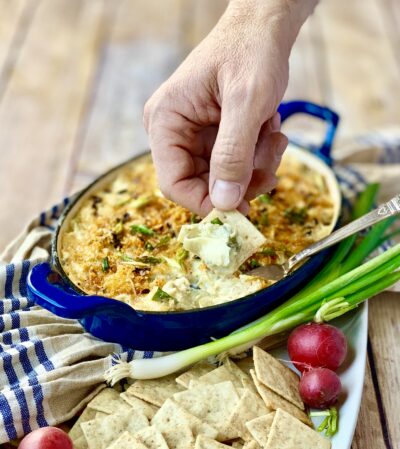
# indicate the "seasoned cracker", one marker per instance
pixel 108 401
pixel 127 441
pixel 196 371
pixel 220 374
pixel 151 438
pixel 203 442
pixel 259 428
pixel 288 432
pixel 277 377
pixel 155 391
pixel 274 401
pixel 76 432
pixel 144 407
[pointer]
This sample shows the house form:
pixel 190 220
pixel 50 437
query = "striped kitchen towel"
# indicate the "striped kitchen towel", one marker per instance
pixel 50 366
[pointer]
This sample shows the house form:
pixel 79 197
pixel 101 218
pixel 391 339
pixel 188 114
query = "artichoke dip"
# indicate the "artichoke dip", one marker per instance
pixel 124 241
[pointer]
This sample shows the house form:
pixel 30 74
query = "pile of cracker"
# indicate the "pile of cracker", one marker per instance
pixel 251 404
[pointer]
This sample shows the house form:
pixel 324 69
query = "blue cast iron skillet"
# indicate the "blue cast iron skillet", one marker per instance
pixel 115 321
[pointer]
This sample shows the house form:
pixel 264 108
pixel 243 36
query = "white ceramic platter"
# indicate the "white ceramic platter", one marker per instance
pixel 355 326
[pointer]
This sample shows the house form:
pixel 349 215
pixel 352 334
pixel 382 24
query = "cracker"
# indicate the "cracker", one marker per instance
pixel 108 401
pixel 251 445
pixel 172 414
pixel 180 437
pixel 151 438
pixel 203 442
pixel 220 374
pixel 231 366
pixel 238 444
pixel 76 432
pixel 144 407
pixel 210 403
pixel 274 401
pixel 101 415
pixel 245 364
pixel 102 432
pixel 127 441
pixel 289 433
pixel 277 377
pixel 80 442
pixel 197 370
pixel 155 391
pixel 259 428
pixel 249 407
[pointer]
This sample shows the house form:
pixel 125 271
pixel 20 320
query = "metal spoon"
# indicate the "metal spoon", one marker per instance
pixel 277 272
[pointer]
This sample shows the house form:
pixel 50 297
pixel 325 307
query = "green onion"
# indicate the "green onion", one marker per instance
pixel 216 221
pixel 141 229
pixel 264 219
pixel 149 246
pixel 254 263
pixel 149 260
pixel 161 296
pixel 141 202
pixel 195 219
pixel 181 256
pixel 233 243
pixel 331 294
pixel 296 215
pixel 268 252
pixel 118 228
pixel 105 264
pixel 163 241
pixel 265 198
pixel 331 422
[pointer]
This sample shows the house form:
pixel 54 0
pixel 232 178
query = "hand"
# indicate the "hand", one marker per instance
pixel 213 126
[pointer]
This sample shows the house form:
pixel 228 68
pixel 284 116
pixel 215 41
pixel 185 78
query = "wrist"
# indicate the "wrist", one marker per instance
pixel 285 16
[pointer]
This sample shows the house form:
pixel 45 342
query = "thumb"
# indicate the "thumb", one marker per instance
pixel 231 162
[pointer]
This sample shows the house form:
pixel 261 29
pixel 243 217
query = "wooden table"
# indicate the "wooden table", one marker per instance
pixel 74 75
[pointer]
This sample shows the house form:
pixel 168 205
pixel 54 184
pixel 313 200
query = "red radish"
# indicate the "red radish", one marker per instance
pixel 317 345
pixel 320 387
pixel 46 438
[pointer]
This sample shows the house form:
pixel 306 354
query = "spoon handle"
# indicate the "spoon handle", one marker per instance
pixel 392 207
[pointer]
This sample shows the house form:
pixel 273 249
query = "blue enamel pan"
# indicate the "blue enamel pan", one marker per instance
pixel 115 321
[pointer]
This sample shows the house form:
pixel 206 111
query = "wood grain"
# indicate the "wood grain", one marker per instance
pixel 41 107
pixel 384 331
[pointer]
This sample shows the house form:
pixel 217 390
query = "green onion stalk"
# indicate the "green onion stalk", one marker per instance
pixel 339 288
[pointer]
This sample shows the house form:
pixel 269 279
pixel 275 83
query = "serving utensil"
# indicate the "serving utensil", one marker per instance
pixel 276 272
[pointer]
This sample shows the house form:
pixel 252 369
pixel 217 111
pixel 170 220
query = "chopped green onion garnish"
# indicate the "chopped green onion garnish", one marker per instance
pixel 163 241
pixel 296 215
pixel 149 259
pixel 254 263
pixel 233 243
pixel 105 265
pixel 161 296
pixel 141 229
pixel 141 202
pixel 195 219
pixel 148 246
pixel 264 219
pixel 118 228
pixel 268 252
pixel 265 198
pixel 181 256
pixel 216 221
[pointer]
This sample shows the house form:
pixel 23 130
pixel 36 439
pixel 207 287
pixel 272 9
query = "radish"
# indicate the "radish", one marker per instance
pixel 46 438
pixel 317 345
pixel 320 387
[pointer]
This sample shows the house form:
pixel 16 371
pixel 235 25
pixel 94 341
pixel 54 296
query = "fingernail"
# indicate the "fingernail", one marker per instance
pixel 276 122
pixel 225 194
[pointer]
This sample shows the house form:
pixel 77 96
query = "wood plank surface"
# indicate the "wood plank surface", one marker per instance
pixel 42 106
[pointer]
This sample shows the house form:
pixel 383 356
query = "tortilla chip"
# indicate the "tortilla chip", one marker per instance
pixel 147 409
pixel 259 428
pixel 155 391
pixel 151 438
pixel 216 376
pixel 248 237
pixel 127 441
pixel 203 442
pixel 76 432
pixel 249 407
pixel 274 401
pixel 108 401
pixel 172 414
pixel 289 433
pixel 212 404
pixel 197 370
pixel 80 442
pixel 279 378
pixel 102 432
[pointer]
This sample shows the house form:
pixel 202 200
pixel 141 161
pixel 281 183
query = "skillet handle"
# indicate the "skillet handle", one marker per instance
pixel 46 288
pixel 330 117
